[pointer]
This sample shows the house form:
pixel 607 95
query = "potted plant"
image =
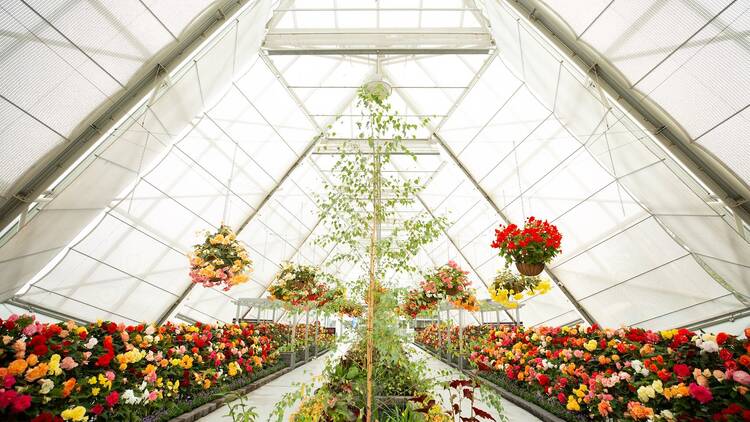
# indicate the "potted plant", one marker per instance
pixel 221 260
pixel 529 247
pixel 508 288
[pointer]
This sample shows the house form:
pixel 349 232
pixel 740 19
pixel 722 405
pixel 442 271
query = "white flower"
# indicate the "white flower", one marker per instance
pixel 91 343
pixel 47 385
pixel 666 414
pixel 129 397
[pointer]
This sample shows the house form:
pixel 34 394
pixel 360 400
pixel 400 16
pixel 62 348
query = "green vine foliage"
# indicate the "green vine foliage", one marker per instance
pixel 361 191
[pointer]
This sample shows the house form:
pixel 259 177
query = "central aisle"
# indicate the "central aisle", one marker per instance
pixel 511 411
pixel 265 398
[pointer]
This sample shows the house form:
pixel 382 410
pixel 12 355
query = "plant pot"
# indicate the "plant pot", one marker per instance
pixel 529 270
pixel 452 291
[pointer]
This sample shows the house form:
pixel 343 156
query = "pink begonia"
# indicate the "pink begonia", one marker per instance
pixel 68 363
pixel 741 377
pixel 109 375
pixel 30 329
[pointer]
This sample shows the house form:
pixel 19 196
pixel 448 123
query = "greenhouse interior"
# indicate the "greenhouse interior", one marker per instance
pixel 374 210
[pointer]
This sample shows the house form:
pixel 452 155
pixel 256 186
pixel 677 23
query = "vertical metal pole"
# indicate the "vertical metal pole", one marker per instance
pixel 481 317
pixel 448 330
pixel 273 314
pixel 293 340
pixel 237 314
pixel 461 339
pixel 497 316
pixel 307 334
pixel 518 316
pixel 258 319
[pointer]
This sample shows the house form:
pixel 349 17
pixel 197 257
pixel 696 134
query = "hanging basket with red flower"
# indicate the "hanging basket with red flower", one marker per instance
pixel 530 246
pixel 221 260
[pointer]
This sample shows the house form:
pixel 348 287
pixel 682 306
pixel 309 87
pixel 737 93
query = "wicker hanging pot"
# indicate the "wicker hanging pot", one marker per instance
pixel 528 269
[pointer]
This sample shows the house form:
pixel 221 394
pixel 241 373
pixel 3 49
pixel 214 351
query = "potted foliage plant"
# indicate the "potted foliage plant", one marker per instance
pixel 530 246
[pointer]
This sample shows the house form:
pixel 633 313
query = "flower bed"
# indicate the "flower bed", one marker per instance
pixel 629 373
pixel 64 371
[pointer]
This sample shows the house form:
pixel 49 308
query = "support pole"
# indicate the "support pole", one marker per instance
pixel 461 339
pixel 293 341
pixel 307 335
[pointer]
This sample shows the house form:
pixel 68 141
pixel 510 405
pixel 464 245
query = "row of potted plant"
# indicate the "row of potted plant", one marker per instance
pixel 111 371
pixel 605 374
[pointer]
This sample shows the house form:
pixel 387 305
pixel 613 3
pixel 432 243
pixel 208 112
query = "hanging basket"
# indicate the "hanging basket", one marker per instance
pixel 529 269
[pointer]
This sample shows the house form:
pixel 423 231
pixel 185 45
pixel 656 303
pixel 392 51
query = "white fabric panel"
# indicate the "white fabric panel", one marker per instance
pixel 646 37
pixel 217 65
pixel 84 280
pixel 480 104
pixel 516 120
pixel 615 260
pixel 541 67
pixel 119 245
pixel 121 36
pixel 662 193
pixel 177 14
pixel 546 307
pixel 578 17
pixel 177 106
pixel 671 287
pixel 710 236
pixel 695 313
pixel 564 319
pixel 18 157
pixel 578 108
pixel 722 142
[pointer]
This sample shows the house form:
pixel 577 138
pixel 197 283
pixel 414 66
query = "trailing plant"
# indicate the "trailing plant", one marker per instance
pixel 221 260
pixel 508 288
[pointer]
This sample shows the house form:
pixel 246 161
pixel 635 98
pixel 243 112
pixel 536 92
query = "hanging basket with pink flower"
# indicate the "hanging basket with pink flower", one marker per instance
pixel 530 246
pixel 221 260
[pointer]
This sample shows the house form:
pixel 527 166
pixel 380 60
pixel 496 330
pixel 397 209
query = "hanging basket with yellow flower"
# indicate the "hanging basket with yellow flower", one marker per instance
pixel 221 260
pixel 508 288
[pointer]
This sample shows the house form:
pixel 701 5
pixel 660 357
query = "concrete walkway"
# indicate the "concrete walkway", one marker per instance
pixel 265 398
pixel 442 371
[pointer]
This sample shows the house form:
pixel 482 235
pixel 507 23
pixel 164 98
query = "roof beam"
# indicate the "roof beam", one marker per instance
pixel 136 92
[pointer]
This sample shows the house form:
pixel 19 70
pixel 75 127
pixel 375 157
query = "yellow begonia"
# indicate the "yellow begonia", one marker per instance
pixel 76 414
pixel 95 391
pixel 572 404
pixel 54 365
pixel 590 345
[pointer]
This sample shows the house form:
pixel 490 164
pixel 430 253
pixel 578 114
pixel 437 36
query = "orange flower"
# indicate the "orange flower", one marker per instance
pixel 745 360
pixel 639 411
pixel 604 408
pixel 32 360
pixel 36 372
pixel 68 387
pixel 17 367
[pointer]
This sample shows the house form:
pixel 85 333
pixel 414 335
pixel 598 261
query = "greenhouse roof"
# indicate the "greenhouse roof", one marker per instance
pixel 128 128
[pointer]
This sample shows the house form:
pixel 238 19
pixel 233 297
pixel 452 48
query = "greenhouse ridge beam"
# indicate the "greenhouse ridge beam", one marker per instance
pixel 374 51
pixel 149 80
pixel 733 192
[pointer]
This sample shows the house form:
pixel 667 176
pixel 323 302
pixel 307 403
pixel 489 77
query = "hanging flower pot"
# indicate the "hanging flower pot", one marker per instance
pixel 528 269
pixel 508 289
pixel 221 260
pixel 530 246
